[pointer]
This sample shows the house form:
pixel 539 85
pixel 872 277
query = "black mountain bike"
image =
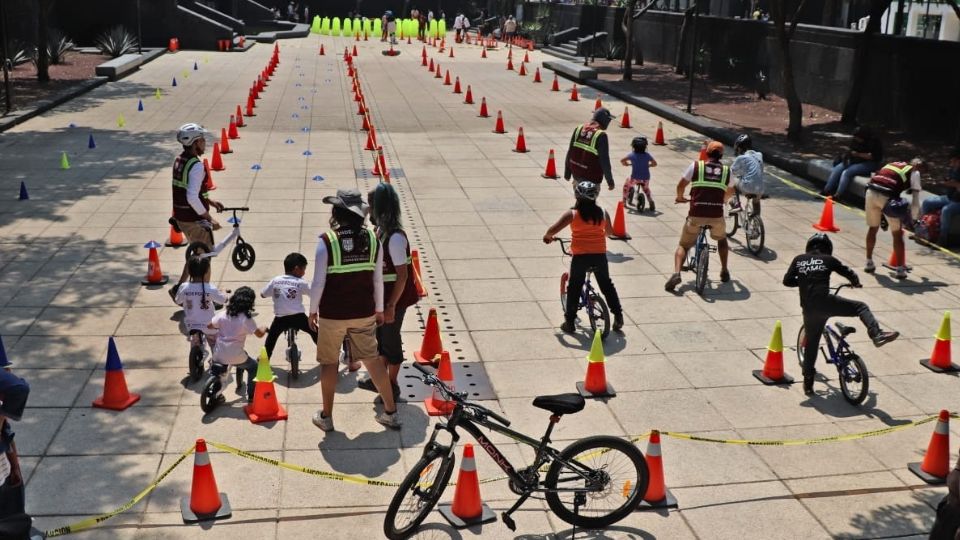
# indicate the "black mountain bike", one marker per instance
pixel 593 483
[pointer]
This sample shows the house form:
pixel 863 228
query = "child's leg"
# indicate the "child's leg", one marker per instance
pixel 645 184
pixel 250 366
pixel 277 327
pixel 626 189
pixel 301 322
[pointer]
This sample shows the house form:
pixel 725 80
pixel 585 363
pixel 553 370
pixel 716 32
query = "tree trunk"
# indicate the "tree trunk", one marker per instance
pixel 627 25
pixel 784 36
pixel 43 59
pixel 861 62
pixel 829 6
pixel 687 16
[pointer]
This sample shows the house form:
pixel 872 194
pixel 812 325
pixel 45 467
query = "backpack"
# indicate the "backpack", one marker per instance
pixel 928 227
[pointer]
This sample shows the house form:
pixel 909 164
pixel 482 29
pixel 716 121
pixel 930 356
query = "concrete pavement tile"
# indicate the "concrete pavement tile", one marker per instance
pixel 98 431
pixel 530 231
pixel 121 527
pixel 882 401
pixel 872 515
pixel 63 321
pixel 467 250
pixel 757 333
pixel 500 290
pixel 930 392
pixel 689 463
pixel 894 450
pixel 381 464
pixel 64 352
pixel 37 429
pixel 161 386
pixel 539 267
pixel 647 372
pixel 502 345
pixel 16 320
pixel 53 387
pixel 478 269
pixel 668 310
pixel 248 524
pixel 553 376
pixel 814 459
pixel 227 424
pixel 249 484
pixel 355 428
pixel 707 511
pixel 37 294
pixel 720 368
pixel 526 418
pixel 78 294
pixel 669 410
pixel 513 315
pixel 72 485
pixel 782 405
pixel 661 524
pixel 686 337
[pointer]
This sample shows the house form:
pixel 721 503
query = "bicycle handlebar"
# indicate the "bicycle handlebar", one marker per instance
pixel 235 209
pixel 563 245
pixel 459 397
pixel 847 285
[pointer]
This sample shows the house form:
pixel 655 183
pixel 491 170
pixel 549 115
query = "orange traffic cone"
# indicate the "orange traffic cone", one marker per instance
pixel 232 130
pixel 467 508
pixel 703 152
pixel 435 404
pixel 826 218
pixel 451 51
pixel 510 54
pixel 936 462
pixel 265 407
pixel 574 95
pixel 536 76
pixel 620 224
pixel 772 372
pixel 521 142
pixel 595 383
pixel 376 162
pixel 217 162
pixel 371 144
pixel 625 119
pixel 446 81
pixel 431 69
pixel 210 186
pixel 205 501
pixel 251 104
pixel 940 357
pixel 526 57
pixel 659 139
pixel 154 276
pixel 468 99
pixel 322 52
pixel 423 52
pixel 523 70
pixel 556 84
pixel 499 127
pixel 456 86
pixel 598 103
pixel 176 238
pixel 551 170
pixel 437 74
pixel 509 64
pixel 483 52
pixel 893 263
pixel 483 108
pixel 115 395
pixel 417 275
pixel 431 348
pixel 355 47
pixel 224 142
pixel 423 61
pixel 657 495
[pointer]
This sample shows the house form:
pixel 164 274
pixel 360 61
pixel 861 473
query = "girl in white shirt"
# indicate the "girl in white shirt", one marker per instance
pixel 234 324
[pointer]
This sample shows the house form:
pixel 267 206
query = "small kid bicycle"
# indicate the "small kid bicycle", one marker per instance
pixel 197 351
pixel 636 198
pixel 293 353
pixel 243 255
pixel 851 370
pixel 752 224
pixel 593 483
pixel 590 299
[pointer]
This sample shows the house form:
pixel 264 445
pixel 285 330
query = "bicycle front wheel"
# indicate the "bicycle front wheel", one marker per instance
pixel 243 256
pixel 733 223
pixel 294 361
pixel 599 315
pixel 612 474
pixel 703 264
pixel 564 278
pixel 755 235
pixel 210 395
pixel 801 344
pixel 196 363
pixel 418 493
pixel 854 380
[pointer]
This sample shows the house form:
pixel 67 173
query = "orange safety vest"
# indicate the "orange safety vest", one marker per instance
pixel 588 238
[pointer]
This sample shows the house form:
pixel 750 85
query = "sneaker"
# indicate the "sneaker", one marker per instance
pixel 901 273
pixel 653 206
pixel 724 275
pixel 808 386
pixel 323 422
pixel 366 383
pixel 568 327
pixel 672 283
pixel 617 321
pixel 172 291
pixel 883 338
pixel 391 420
pixel 869 267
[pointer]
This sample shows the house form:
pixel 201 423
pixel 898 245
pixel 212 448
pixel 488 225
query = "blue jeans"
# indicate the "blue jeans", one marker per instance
pixel 948 209
pixel 840 177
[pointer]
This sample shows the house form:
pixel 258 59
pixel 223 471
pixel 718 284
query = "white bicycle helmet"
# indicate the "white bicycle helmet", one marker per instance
pixel 586 190
pixel 189 133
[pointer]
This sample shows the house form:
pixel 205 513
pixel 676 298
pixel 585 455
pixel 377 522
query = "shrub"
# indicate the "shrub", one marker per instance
pixel 116 42
pixel 57 46
pixel 22 53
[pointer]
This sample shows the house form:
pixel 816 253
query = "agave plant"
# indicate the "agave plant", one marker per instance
pixel 57 46
pixel 22 53
pixel 116 42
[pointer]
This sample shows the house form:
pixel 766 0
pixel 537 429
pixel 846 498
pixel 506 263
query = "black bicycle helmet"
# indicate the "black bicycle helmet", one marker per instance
pixel 820 243
pixel 586 190
pixel 743 143
pixel 639 144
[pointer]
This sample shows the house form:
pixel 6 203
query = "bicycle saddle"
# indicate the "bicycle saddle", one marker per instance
pixel 560 403
pixel 844 329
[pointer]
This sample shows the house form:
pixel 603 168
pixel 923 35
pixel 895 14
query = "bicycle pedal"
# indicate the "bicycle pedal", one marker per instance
pixel 508 521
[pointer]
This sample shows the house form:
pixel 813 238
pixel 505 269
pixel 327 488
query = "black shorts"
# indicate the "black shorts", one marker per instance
pixel 389 342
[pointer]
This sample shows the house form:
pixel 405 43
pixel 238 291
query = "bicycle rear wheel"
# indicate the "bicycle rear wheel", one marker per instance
pixel 418 493
pixel 854 380
pixel 294 358
pixel 641 200
pixel 210 395
pixel 801 344
pixel 755 234
pixel 599 315
pixel 564 278
pixel 196 362
pixel 703 264
pixel 610 471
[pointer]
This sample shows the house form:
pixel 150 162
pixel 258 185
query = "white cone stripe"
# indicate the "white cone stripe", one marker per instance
pixel 201 459
pixel 468 465
pixel 653 450
pixel 942 428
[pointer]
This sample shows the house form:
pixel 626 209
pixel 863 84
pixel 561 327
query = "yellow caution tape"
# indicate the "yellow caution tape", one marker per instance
pixel 96 520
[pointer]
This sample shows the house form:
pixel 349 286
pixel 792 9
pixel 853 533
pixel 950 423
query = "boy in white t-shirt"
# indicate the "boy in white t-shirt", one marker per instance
pixel 287 291
pixel 234 324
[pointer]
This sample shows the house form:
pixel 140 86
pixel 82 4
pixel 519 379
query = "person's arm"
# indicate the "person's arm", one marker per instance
pixel 791 278
pixel 653 162
pixel 603 152
pixel 836 266
pixel 178 298
pixel 378 284
pixel 561 223
pixel 625 161
pixel 194 185
pixel 217 295
pixel 607 224
pixel 567 173
pixel 319 277
pixel 267 291
pixel 915 187
pixel 683 183
pixel 398 252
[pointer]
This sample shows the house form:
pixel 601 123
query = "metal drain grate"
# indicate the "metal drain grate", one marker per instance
pixel 365 173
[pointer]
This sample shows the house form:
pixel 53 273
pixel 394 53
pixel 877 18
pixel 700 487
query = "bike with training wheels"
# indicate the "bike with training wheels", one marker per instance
pixel 293 353
pixel 590 300
pixel 592 483
pixel 752 224
pixel 851 369
pixel 243 255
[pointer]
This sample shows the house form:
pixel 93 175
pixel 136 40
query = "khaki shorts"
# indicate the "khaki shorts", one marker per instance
pixel 691 229
pixel 873 204
pixel 196 232
pixel 363 339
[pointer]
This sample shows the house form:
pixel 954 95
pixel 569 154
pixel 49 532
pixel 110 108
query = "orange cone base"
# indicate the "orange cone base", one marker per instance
pixel 888 266
pixel 184 242
pixel 624 237
pixel 265 393
pixel 189 516
pixel 786 379
pixel 925 476
pixel 668 501
pixel 937 369
pixel 131 399
pixel 554 177
pixel 486 516
pixel 435 361
pixel 609 392
pixel 438 407
pixel 163 281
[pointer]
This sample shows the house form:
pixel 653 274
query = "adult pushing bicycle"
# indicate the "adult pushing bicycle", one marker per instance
pixel 592 483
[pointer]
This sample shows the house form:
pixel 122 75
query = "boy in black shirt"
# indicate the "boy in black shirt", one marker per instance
pixel 811 272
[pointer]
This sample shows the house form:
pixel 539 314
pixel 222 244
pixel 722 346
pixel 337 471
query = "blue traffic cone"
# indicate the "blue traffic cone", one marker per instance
pixel 4 363
pixel 115 394
pixel 195 67
pixel 23 192
pixel 140 105
pixel 174 82
pixel 91 144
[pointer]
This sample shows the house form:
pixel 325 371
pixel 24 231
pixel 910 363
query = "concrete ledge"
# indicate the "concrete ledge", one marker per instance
pixel 570 70
pixel 298 31
pixel 126 64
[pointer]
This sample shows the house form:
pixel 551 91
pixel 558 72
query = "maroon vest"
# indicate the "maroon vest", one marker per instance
pixel 348 292
pixel 182 210
pixel 585 164
pixel 892 179
pixel 409 295
pixel 710 179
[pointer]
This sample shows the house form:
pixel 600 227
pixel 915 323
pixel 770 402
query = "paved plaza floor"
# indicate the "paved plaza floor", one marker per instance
pixel 72 256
